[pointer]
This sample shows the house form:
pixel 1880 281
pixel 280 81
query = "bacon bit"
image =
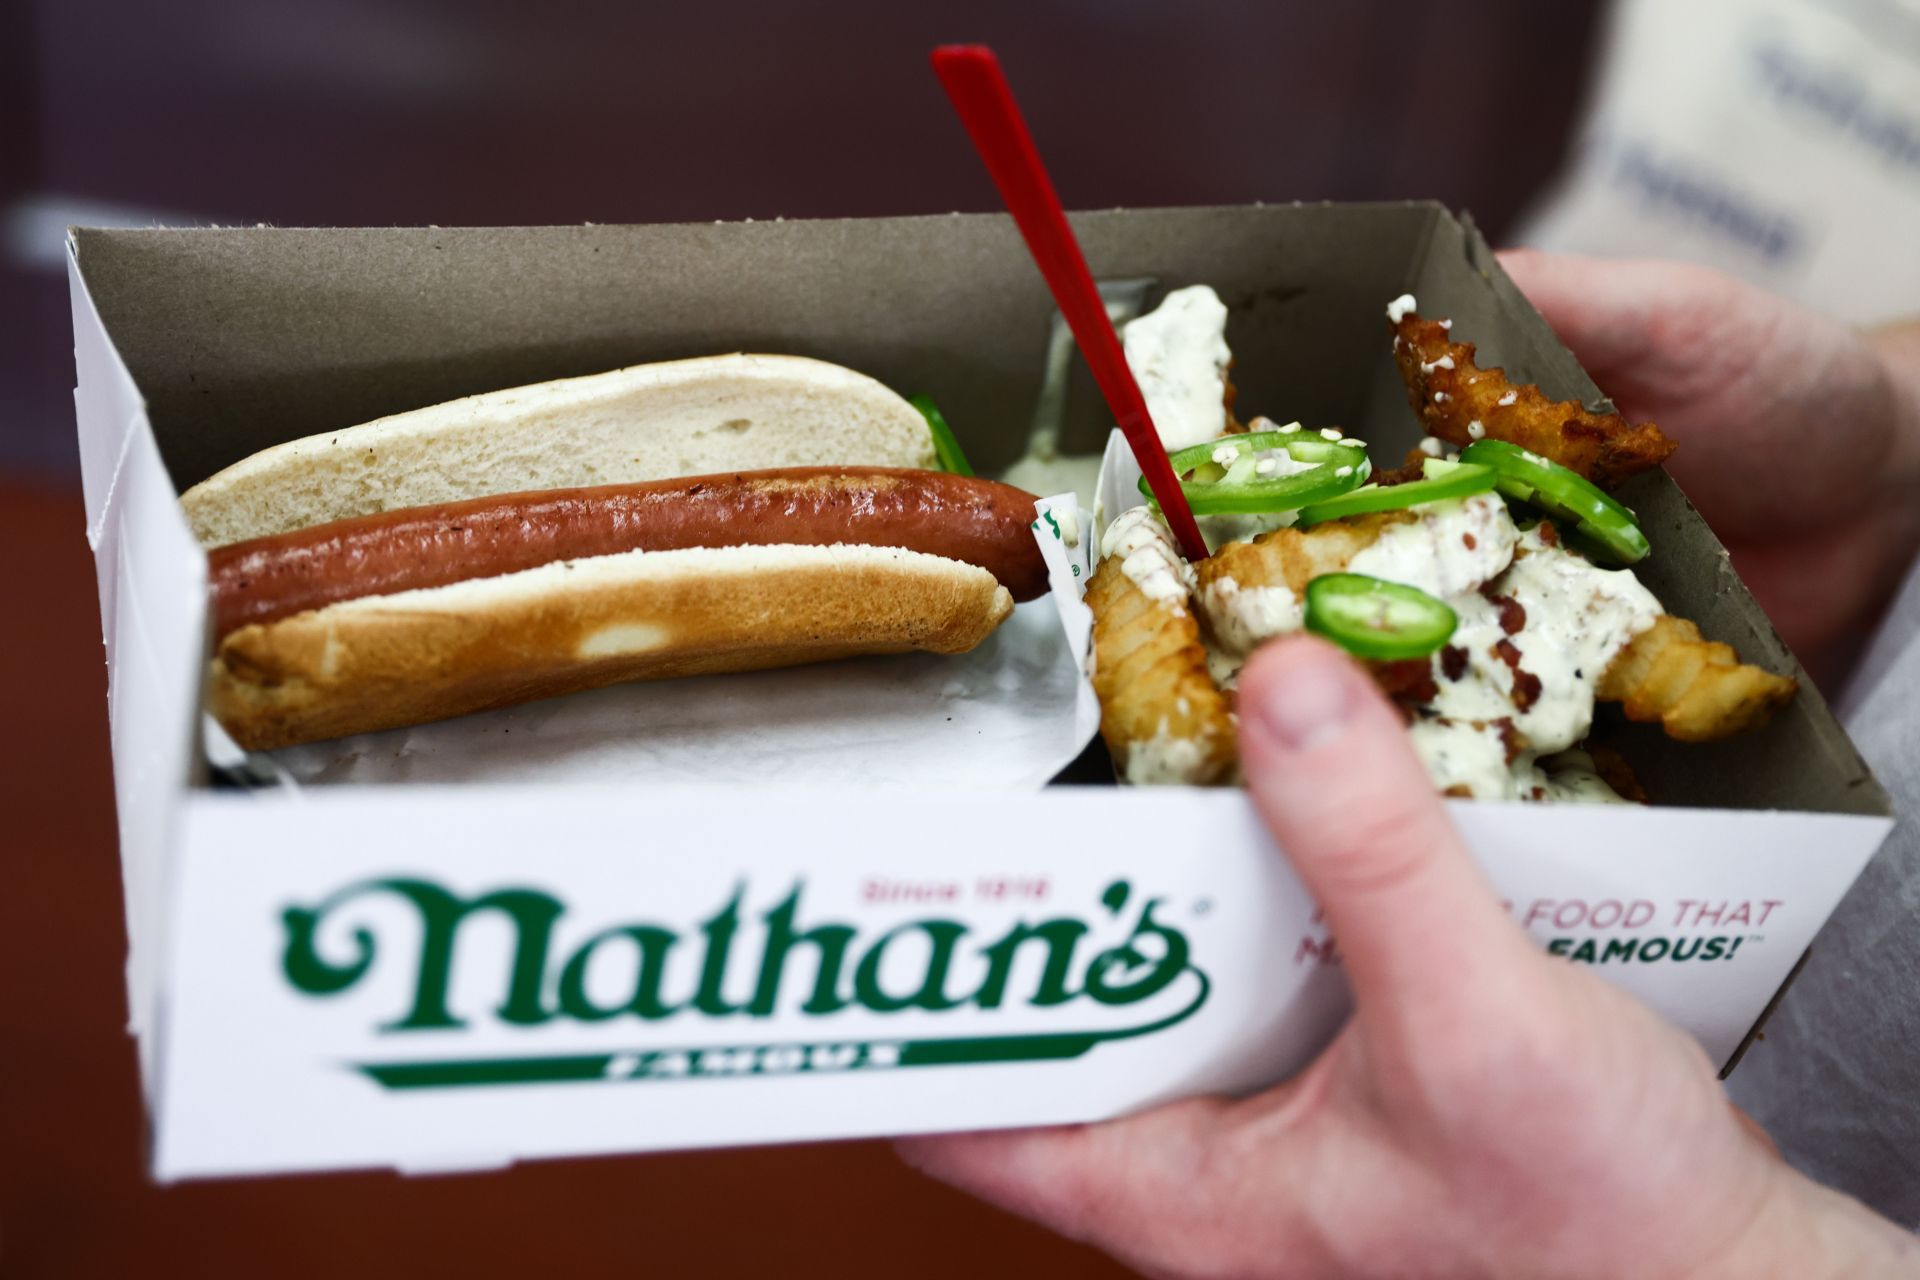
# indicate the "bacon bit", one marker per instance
pixel 1453 662
pixel 1526 685
pixel 1513 614
pixel 1470 540
pixel 1459 791
pixel 1549 536
pixel 1511 739
pixel 1408 681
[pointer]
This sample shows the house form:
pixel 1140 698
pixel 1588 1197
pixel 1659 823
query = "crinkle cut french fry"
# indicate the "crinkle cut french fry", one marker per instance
pixel 1150 673
pixel 1698 690
pixel 1460 402
pixel 1292 558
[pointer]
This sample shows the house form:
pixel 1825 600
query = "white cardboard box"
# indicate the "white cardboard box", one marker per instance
pixel 460 976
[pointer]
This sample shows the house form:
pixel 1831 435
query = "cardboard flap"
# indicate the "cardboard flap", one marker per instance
pixel 152 577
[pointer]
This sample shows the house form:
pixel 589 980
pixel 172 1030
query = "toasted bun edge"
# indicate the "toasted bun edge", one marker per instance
pixel 385 661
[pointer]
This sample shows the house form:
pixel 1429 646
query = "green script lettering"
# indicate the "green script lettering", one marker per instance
pixel 942 936
pixel 831 940
pixel 652 945
pixel 1120 960
pixel 1061 937
pixel 1152 956
pixel 441 915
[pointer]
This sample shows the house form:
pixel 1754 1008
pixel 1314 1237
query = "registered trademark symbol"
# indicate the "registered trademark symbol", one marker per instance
pixel 1203 906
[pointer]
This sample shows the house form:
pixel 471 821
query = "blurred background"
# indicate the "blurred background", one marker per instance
pixel 1571 123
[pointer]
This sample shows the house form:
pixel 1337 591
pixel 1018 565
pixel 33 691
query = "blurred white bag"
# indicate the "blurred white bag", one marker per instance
pixel 1778 140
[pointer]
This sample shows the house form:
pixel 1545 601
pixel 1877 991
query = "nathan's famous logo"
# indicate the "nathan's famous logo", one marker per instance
pixel 736 965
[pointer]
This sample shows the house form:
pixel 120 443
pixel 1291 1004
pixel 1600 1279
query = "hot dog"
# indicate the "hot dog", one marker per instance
pixel 979 522
pixel 723 514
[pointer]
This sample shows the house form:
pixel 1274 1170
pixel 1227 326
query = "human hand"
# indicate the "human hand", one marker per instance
pixel 1487 1111
pixel 1799 437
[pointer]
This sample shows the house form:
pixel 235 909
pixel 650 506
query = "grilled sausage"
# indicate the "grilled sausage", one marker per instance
pixel 981 522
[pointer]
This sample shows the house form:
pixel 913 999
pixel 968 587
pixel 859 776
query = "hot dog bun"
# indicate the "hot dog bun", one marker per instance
pixel 647 422
pixel 489 584
pixel 385 661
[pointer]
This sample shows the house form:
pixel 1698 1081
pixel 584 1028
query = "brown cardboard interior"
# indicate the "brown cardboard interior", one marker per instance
pixel 241 339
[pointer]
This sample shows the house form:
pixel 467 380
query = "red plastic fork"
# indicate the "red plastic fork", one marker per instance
pixel 981 96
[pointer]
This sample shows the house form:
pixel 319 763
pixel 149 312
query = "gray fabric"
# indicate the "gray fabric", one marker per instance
pixel 1837 1079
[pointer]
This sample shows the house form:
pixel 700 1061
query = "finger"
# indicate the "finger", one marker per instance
pixel 1654 335
pixel 1598 317
pixel 1119 1185
pixel 1755 1134
pixel 1738 376
pixel 1330 768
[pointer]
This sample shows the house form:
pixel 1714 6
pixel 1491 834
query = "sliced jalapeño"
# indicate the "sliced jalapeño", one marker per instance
pixel 1602 524
pixel 945 447
pixel 1461 481
pixel 1373 618
pixel 1239 475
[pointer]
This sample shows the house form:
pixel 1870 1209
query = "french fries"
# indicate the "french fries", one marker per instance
pixel 1460 402
pixel 1292 558
pixel 1697 690
pixel 1156 696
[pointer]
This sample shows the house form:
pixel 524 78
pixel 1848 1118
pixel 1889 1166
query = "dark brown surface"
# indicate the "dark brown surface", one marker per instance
pixel 74 1200
pixel 493 112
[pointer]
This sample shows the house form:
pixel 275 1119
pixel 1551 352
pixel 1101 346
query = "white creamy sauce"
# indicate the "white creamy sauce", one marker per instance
pixel 1225 667
pixel 1147 555
pixel 1444 362
pixel 1450 548
pixel 1178 353
pixel 1242 618
pixel 1069 521
pixel 1460 754
pixel 1163 760
pixel 1398 309
pixel 1268 464
pixel 1432 446
pixel 1578 618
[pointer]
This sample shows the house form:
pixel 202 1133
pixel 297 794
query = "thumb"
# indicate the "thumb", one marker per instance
pixel 1330 768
